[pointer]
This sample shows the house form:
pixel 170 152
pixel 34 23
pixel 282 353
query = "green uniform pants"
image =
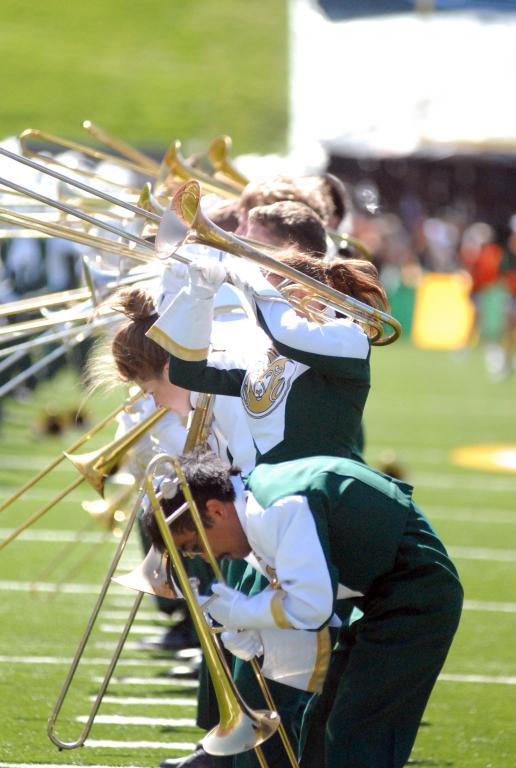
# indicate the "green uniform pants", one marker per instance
pixel 385 664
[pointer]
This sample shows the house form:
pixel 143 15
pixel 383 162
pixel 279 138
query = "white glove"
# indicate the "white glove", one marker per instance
pixel 206 276
pixel 249 278
pixel 245 645
pixel 173 278
pixel 234 610
pixel 225 609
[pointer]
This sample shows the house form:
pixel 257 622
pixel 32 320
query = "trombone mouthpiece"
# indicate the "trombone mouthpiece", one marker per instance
pixel 168 487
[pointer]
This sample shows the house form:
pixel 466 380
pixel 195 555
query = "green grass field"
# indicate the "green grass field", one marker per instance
pixel 148 72
pixel 422 405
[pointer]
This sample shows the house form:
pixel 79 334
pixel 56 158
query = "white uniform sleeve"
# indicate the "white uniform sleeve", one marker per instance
pixel 285 537
pixel 336 338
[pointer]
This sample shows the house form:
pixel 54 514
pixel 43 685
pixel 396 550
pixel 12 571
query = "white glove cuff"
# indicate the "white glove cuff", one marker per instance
pixel 262 610
pixel 184 328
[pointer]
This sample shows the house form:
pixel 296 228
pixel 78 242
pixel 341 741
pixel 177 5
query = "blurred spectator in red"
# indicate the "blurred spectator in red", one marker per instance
pixel 508 277
pixel 481 255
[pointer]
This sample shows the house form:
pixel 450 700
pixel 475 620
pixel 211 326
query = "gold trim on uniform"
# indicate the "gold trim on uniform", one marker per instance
pixel 173 348
pixel 278 612
pixel 273 577
pixel 315 684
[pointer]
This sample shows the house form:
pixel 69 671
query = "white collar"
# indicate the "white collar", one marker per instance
pixel 240 501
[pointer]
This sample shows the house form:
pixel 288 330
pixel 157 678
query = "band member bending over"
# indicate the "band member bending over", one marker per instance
pixel 328 526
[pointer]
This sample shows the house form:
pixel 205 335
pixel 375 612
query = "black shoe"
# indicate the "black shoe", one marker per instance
pixel 198 759
pixel 183 672
pixel 176 638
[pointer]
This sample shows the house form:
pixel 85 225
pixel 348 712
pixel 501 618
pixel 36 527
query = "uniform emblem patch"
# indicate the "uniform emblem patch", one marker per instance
pixel 266 386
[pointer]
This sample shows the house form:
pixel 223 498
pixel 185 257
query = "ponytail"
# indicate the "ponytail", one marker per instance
pixel 136 356
pixel 357 278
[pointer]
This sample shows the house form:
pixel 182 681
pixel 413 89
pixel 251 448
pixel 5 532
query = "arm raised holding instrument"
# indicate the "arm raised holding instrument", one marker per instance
pixel 305 390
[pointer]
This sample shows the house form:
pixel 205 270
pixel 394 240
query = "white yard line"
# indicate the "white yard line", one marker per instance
pixel 479 553
pixel 56 765
pixel 168 682
pixel 172 701
pixel 480 605
pixel 40 586
pixel 93 662
pixel 153 722
pixel 462 482
pixel 142 615
pixel 129 645
pixel 184 746
pixel 469 515
pixel 47 536
pixel 136 629
pixel 497 680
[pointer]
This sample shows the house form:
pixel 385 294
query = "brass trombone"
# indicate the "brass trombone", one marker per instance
pixel 344 240
pixel 70 232
pixel 51 728
pixel 218 154
pixel 93 431
pixel 186 203
pixel 98 155
pixel 85 314
pixel 93 467
pixel 240 727
pixel 152 576
pixel 151 166
pixel 72 182
pixel 175 170
pixel 106 512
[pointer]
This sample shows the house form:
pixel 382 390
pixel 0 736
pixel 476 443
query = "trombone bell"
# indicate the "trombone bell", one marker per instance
pixel 151 576
pixel 96 465
pixel 108 512
pixel 242 733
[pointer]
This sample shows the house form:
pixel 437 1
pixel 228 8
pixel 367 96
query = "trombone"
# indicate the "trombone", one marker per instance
pixel 152 576
pixel 51 728
pixel 120 146
pixel 93 431
pixel 93 466
pixel 175 170
pixel 240 727
pixel 106 512
pixel 98 155
pixel 186 203
pixel 218 155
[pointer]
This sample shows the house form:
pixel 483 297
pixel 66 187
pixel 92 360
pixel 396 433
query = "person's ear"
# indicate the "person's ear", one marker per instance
pixel 216 509
pixel 165 370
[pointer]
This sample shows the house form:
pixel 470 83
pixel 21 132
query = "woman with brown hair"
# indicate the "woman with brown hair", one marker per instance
pixel 305 394
pixel 139 360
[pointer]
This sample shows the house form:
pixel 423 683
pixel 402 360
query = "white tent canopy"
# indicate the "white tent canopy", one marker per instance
pixel 399 83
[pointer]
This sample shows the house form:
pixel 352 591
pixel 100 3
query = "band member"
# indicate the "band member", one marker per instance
pixel 286 224
pixel 278 189
pixel 140 360
pixel 306 393
pixel 326 526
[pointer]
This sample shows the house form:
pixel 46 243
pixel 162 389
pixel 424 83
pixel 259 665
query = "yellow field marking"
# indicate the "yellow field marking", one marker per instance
pixel 494 457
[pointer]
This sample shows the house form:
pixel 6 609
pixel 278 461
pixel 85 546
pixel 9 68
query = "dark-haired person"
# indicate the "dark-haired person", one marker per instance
pixel 278 189
pixel 324 525
pixel 286 224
